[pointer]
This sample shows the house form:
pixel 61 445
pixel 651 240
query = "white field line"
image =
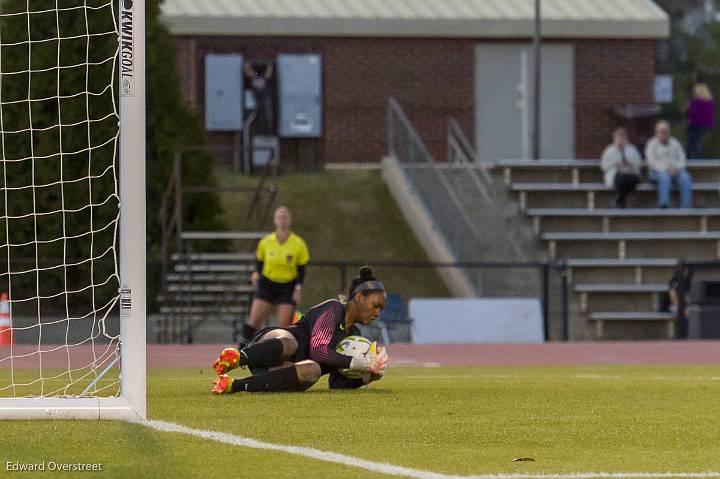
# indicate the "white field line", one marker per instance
pixel 467 376
pixel 414 364
pixel 574 376
pixel 393 470
pixel 444 377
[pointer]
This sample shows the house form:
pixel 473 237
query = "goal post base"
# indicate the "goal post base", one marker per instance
pixel 118 409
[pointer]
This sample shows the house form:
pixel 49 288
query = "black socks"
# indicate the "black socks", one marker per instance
pixel 268 352
pixel 248 332
pixel 284 379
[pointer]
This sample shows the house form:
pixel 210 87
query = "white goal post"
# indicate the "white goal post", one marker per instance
pixel 122 346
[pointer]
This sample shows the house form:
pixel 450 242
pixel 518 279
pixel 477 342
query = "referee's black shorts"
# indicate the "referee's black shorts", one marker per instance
pixel 275 293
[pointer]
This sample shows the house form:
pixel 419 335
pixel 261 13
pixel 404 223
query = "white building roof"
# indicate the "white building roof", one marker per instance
pixel 416 18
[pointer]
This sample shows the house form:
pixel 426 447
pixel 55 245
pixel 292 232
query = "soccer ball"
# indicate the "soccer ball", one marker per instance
pixel 355 346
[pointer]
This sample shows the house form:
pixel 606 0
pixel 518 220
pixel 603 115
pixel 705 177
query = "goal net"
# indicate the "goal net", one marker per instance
pixel 71 131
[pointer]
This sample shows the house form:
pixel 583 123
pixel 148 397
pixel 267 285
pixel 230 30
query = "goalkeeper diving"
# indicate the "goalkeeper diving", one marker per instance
pixel 294 358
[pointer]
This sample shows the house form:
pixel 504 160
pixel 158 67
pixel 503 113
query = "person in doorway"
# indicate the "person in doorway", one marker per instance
pixel 280 271
pixel 259 74
pixel 621 162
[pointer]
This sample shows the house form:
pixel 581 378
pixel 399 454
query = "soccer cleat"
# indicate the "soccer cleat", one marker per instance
pixel 229 359
pixel 222 385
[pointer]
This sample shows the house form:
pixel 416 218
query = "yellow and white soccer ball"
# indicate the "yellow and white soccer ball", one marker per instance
pixel 357 347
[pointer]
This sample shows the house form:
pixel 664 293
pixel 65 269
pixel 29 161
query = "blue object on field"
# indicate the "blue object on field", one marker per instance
pixel 395 310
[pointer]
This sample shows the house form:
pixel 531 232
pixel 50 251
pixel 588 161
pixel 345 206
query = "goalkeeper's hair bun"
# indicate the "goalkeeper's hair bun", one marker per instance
pixel 366 274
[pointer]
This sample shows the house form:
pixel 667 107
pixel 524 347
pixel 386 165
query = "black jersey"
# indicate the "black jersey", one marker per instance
pixel 318 334
pixel 321 329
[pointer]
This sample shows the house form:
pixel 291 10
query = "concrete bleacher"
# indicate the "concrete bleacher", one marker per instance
pixel 619 260
pixel 206 296
pixel 594 195
pixel 613 219
pixel 576 171
pixel 493 231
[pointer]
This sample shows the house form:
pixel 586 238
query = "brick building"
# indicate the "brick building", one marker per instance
pixel 446 57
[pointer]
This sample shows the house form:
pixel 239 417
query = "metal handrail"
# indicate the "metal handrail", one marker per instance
pixel 170 216
pixel 459 145
pixel 458 134
pixel 543 267
pixel 484 184
pixel 395 109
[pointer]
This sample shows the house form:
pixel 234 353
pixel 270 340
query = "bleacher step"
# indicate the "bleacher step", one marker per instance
pixel 209 310
pixel 206 278
pixel 629 212
pixel 214 268
pixel 213 257
pixel 631 235
pixel 186 298
pixel 621 288
pixel 209 288
pixel 620 263
pixel 549 186
pixel 587 163
pixel 631 316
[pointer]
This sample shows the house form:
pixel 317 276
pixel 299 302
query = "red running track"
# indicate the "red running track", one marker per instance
pixel 573 353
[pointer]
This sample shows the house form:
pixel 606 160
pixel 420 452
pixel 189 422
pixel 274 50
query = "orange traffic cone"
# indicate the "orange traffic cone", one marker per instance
pixel 6 332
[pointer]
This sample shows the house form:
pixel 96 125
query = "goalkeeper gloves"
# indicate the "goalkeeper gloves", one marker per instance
pixel 374 361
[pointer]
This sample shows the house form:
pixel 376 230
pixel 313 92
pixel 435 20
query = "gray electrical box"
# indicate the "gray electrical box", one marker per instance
pixel 264 150
pixel 223 92
pixel 300 95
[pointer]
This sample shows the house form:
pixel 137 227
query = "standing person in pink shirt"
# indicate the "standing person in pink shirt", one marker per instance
pixel 700 118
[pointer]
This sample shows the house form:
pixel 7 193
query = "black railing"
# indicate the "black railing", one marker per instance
pixel 543 269
pixel 170 214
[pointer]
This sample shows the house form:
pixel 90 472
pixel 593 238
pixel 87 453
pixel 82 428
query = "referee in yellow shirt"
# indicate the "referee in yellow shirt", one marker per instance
pixel 281 259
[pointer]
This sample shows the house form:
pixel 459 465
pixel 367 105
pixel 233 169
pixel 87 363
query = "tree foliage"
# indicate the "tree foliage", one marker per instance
pixel 58 118
pixel 170 126
pixel 693 58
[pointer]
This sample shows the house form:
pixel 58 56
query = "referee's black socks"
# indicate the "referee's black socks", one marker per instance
pixel 263 353
pixel 248 332
pixel 284 379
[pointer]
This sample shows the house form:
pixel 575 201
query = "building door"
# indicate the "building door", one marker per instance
pixel 503 122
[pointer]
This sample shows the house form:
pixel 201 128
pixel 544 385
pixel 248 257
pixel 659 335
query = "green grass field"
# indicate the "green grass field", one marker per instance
pixel 459 420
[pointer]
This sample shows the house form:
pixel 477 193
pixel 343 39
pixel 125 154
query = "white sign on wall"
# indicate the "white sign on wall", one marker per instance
pixel 481 320
pixel 663 88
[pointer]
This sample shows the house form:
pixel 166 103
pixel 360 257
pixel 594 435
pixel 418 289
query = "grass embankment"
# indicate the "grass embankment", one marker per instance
pixel 343 216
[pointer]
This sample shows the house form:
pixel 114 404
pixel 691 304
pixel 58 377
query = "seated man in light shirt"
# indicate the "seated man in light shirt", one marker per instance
pixel 666 161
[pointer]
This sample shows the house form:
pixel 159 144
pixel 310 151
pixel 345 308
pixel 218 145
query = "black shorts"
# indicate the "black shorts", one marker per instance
pixel 302 353
pixel 275 293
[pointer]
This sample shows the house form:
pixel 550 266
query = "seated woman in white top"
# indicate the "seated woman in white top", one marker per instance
pixel 621 163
